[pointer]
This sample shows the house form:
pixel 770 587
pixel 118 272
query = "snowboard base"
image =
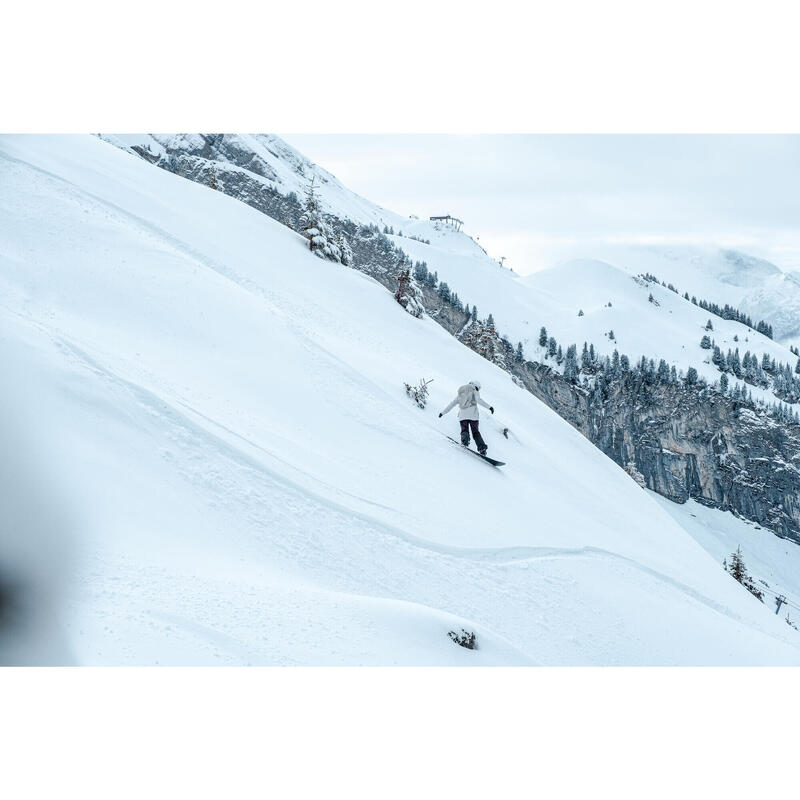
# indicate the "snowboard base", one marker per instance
pixel 491 461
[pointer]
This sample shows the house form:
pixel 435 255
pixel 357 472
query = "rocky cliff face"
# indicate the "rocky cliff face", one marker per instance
pixel 688 442
pixel 681 441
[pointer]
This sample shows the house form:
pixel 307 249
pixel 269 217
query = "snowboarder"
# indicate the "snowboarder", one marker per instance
pixel 468 400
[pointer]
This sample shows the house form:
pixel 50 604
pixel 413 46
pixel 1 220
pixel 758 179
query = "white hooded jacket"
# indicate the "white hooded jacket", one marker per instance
pixel 468 399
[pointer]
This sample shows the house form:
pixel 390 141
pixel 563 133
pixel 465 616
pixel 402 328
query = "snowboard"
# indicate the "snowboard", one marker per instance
pixel 492 461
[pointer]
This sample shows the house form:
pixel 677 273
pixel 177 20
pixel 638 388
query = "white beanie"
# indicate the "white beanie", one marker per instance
pixel 476 384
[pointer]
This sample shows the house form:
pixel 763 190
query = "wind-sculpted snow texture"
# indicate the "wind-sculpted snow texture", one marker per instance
pixel 251 484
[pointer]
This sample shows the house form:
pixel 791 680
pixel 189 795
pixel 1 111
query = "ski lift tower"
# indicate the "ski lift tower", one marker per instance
pixel 448 220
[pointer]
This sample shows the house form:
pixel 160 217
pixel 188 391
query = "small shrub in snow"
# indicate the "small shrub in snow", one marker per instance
pixel 464 639
pixel 419 394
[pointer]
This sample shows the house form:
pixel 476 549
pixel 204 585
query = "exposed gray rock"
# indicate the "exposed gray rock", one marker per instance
pixel 688 442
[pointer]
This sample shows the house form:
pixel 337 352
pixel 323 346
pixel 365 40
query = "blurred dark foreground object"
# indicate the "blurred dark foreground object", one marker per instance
pixel 34 533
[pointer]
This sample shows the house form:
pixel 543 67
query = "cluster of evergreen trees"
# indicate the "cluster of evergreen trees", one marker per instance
pixel 431 280
pixel 483 338
pixel 600 374
pixel 724 312
pixel 766 373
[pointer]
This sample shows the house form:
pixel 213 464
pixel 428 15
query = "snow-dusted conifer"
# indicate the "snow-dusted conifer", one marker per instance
pixel 543 339
pixel 315 228
pixel 408 294
pixel 571 363
pixel 738 570
pixel 345 251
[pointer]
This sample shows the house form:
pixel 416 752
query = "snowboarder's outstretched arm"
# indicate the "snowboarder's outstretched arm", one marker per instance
pixel 450 406
pixel 485 404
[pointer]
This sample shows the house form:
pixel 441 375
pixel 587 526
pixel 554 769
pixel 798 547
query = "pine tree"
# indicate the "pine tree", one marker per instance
pixel 543 338
pixel 408 294
pixel 571 363
pixel 519 355
pixel 738 570
pixel 346 252
pixel 585 362
pixel 314 227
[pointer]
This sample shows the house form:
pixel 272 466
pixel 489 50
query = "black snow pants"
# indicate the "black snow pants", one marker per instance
pixel 466 424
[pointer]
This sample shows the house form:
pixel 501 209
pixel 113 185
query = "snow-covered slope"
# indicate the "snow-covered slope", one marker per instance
pixel 252 485
pixel 773 563
pixel 720 275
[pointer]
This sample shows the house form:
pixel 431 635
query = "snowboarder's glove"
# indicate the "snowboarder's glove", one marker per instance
pixel 491 408
pixel 440 415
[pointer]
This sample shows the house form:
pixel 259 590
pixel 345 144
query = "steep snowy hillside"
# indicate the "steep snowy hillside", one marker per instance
pixel 226 412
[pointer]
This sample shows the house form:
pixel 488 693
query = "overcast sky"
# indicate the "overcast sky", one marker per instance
pixel 536 198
